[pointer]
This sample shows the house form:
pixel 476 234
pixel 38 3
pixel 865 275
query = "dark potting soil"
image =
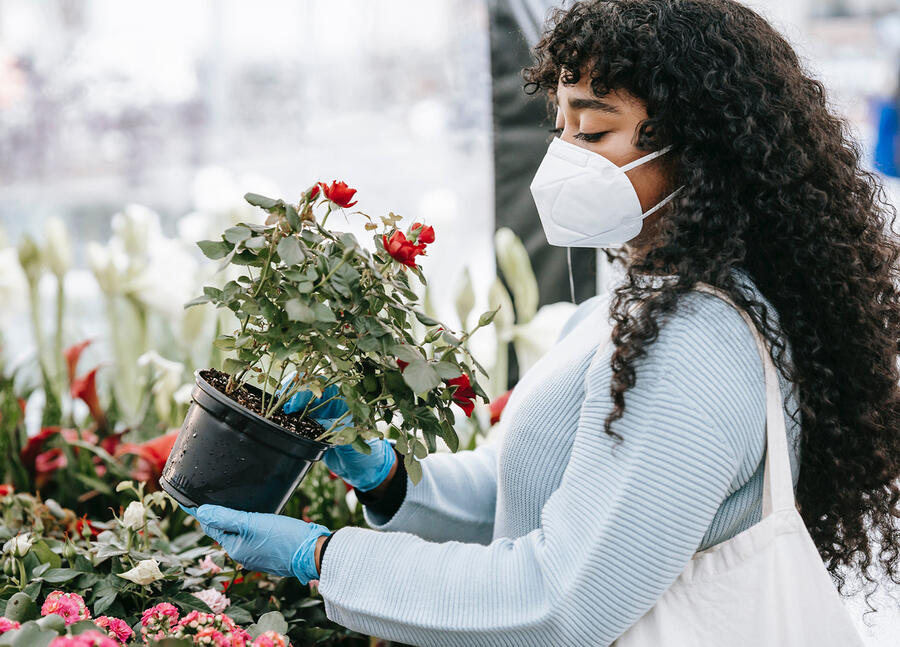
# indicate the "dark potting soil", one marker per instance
pixel 306 427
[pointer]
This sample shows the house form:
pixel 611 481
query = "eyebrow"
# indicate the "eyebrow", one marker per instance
pixel 593 104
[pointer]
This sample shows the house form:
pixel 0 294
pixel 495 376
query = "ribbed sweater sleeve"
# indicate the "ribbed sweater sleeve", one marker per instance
pixel 455 500
pixel 614 535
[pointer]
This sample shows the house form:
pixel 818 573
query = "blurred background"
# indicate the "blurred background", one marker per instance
pixel 129 131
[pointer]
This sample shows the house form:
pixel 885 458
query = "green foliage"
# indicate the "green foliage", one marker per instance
pixel 317 307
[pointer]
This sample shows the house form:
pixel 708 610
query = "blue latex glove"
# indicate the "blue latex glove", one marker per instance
pixel 263 542
pixel 362 471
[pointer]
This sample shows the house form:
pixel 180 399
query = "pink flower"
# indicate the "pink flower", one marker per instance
pixel 157 622
pixel 216 601
pixel 271 639
pixel 197 622
pixel 210 636
pixel 8 625
pixel 86 639
pixel 210 565
pixel 70 606
pixel 115 627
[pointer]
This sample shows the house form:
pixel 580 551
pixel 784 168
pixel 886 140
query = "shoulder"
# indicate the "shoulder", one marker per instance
pixel 585 309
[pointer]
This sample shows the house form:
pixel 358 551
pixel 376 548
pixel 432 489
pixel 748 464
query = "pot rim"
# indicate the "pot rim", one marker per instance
pixel 224 399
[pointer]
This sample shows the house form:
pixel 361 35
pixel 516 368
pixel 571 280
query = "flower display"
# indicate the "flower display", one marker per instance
pixel 213 599
pixel 210 566
pixel 271 639
pixel 115 627
pixel 159 621
pixel 339 193
pixel 146 571
pixel 402 249
pixel 134 517
pixel 464 394
pixel 86 639
pixel 70 606
pixel 8 625
pixel 85 388
pixel 205 629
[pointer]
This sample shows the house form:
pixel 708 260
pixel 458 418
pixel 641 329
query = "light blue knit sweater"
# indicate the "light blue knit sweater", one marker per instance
pixel 549 536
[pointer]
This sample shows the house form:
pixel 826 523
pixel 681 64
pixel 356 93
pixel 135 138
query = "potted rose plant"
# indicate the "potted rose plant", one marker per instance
pixel 316 310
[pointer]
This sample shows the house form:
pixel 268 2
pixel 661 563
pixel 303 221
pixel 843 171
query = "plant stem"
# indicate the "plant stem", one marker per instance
pixel 336 422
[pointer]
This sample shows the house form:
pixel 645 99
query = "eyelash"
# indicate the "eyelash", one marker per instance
pixel 586 137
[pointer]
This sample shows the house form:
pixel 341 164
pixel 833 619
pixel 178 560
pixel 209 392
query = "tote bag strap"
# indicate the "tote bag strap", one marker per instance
pixel 778 488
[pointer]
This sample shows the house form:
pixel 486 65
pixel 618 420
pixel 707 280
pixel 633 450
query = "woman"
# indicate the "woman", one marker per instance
pixel 618 461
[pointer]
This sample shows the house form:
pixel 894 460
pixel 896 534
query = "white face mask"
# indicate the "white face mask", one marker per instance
pixel 584 200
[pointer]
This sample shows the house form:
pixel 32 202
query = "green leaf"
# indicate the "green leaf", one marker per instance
pixel 196 302
pixel 273 621
pixel 323 313
pixel 20 608
pixel 361 446
pixel 240 615
pixel 237 234
pixel 214 249
pixel 257 242
pixel 47 556
pixel 425 319
pixel 172 642
pixel 447 370
pixel 60 575
pixel 290 251
pixel 225 342
pixel 421 377
pixel 293 217
pixel 449 436
pixel 213 293
pixel 413 468
pixel 406 352
pixel 298 310
pixel 260 200
pixel 419 449
pixel 450 339
pixel 233 366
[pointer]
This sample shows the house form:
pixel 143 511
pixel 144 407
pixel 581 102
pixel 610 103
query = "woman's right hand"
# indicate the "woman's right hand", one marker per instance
pixel 363 471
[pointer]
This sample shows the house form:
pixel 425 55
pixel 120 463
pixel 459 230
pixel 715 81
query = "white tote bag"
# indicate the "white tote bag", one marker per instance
pixel 766 586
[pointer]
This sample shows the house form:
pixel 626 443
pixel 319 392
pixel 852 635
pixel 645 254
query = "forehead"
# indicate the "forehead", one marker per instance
pixel 582 95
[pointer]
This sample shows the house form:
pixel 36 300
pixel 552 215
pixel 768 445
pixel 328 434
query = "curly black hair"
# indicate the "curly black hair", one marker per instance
pixel 773 186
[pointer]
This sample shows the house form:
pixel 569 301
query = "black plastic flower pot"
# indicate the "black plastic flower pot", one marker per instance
pixel 228 455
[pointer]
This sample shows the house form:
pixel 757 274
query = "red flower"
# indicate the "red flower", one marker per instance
pixel 402 364
pixel 313 192
pixel 152 456
pixel 85 388
pixel 496 407
pixel 339 193
pixel 237 580
pixel 72 353
pixel 6 489
pixel 425 234
pixel 463 394
pixel 34 446
pixel 49 461
pixel 401 249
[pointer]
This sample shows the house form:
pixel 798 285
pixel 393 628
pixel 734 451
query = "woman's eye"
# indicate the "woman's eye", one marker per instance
pixel 590 137
pixel 555 131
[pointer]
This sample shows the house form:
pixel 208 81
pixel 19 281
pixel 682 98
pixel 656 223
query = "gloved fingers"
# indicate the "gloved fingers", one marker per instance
pixel 190 511
pixel 222 518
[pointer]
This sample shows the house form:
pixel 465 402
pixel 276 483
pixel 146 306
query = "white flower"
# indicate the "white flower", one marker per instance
pixel 146 571
pixel 57 249
pixel 512 258
pixel 135 229
pixel 533 339
pixel 109 267
pixel 167 379
pixel 19 545
pixel 216 601
pixel 134 515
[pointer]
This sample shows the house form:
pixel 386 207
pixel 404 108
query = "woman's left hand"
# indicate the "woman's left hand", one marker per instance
pixel 263 542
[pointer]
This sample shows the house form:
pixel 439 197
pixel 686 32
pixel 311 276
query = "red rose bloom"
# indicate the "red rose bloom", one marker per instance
pixel 313 192
pixel 425 234
pixel 339 193
pixel 402 250
pixel 464 394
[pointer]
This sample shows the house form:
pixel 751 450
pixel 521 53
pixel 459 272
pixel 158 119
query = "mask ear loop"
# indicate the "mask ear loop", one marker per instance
pixel 571 278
